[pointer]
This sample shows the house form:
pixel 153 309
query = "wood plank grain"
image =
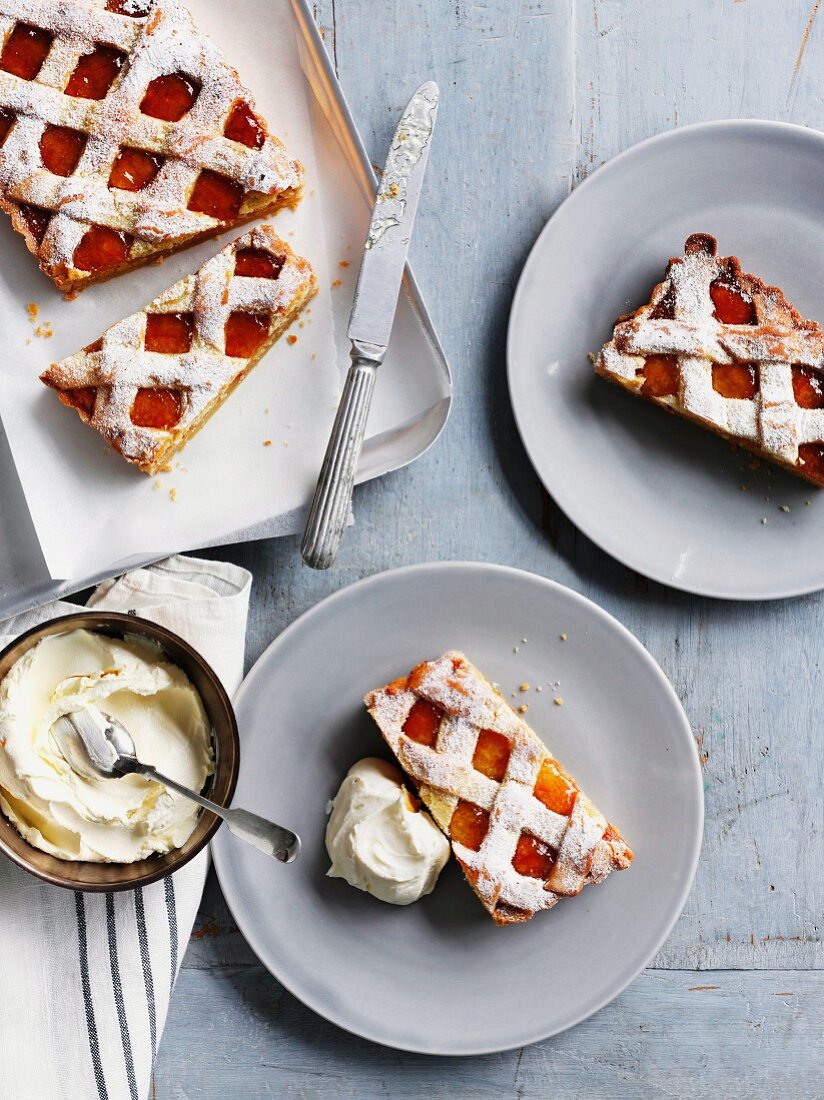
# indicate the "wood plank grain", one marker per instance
pixel 641 69
pixel 759 897
pixel 512 140
pixel 727 1034
pixel 536 96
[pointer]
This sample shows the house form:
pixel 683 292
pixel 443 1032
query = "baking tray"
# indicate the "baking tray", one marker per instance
pixel 24 578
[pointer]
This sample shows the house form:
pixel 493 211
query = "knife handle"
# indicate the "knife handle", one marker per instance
pixel 333 493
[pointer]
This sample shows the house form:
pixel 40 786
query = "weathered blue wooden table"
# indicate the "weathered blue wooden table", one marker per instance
pixel 537 94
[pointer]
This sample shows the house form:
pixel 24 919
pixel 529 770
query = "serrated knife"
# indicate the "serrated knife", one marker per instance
pixel 370 323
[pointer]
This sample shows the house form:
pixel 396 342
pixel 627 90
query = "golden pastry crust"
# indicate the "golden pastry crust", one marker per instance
pixel 125 135
pixel 521 829
pixel 155 378
pixel 718 346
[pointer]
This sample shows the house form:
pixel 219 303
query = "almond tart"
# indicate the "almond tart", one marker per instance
pixel 522 830
pixel 717 346
pixel 125 135
pixel 154 379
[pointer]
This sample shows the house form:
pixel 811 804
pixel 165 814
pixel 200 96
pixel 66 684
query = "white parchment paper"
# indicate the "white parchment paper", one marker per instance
pixel 90 509
pixel 92 513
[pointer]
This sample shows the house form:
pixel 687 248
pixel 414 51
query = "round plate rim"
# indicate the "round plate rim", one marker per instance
pixel 404 572
pixel 787 591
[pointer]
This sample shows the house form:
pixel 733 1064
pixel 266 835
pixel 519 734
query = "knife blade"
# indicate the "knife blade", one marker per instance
pixel 390 230
pixel 370 323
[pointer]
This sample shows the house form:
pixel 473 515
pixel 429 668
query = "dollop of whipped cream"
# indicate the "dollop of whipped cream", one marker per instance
pixel 377 838
pixel 82 816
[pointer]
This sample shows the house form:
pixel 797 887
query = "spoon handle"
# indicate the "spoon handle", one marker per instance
pixel 264 835
pixel 269 838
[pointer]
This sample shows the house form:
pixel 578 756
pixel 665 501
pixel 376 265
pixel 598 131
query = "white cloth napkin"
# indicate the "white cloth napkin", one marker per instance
pixel 85 979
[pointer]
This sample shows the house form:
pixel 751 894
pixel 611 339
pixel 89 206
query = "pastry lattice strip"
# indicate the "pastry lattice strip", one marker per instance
pixel 212 327
pixel 717 346
pixel 522 830
pixel 70 163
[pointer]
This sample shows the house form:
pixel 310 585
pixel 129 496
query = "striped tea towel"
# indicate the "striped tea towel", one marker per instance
pixel 86 978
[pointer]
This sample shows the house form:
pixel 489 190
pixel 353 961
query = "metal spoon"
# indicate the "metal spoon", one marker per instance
pixel 94 744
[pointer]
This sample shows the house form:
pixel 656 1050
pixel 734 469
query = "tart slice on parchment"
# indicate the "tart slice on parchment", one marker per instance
pixel 154 379
pixel 125 135
pixel 717 346
pixel 522 830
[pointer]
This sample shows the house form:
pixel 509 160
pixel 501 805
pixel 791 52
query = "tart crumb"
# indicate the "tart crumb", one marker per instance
pixel 173 495
pixel 267 443
pixel 784 508
pixel 539 688
pixel 32 309
pixel 564 637
pixel 291 338
pixel 558 701
pixel 524 686
pixel 336 283
pixel 343 263
pixel 523 708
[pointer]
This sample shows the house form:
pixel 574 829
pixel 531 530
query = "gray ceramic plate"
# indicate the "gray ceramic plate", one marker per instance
pixel 439 976
pixel 663 496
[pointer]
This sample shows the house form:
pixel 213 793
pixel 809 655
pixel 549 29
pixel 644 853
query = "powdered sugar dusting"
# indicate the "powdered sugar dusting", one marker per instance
pixel 771 421
pixel 163 42
pixel 445 774
pixel 123 366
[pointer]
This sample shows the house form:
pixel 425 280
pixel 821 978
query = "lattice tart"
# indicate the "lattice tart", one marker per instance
pixel 152 380
pixel 124 135
pixel 522 830
pixel 717 346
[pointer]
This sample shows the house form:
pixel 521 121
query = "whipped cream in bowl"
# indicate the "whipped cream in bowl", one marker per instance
pixel 71 826
pixel 379 839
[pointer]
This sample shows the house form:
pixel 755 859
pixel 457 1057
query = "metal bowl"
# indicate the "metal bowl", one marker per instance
pixel 95 877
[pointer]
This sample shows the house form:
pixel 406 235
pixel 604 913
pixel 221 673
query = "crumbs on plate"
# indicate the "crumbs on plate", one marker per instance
pixel 44 330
